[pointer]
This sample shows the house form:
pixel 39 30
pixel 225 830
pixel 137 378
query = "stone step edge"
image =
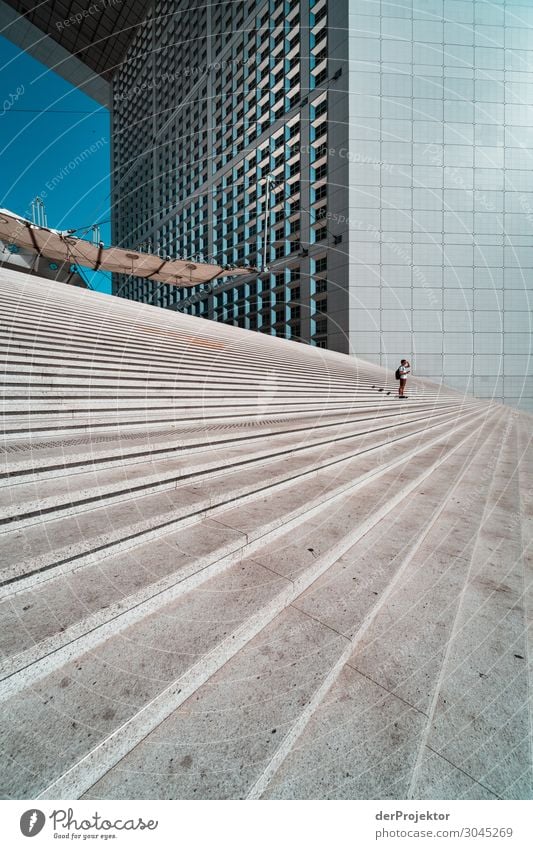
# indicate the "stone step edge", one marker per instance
pixel 262 782
pixel 17 514
pixel 426 732
pixel 16 471
pixel 95 764
pixel 26 427
pixel 99 552
pixel 195 576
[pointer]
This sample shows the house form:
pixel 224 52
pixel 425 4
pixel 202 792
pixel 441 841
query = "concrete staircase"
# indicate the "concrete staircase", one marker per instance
pixel 239 567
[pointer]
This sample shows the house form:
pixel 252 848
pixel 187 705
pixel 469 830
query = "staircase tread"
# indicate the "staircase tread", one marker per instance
pixel 235 567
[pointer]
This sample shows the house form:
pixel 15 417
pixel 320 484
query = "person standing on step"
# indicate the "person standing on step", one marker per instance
pixel 401 374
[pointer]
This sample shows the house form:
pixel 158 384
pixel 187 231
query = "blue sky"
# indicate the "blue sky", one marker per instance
pixel 45 123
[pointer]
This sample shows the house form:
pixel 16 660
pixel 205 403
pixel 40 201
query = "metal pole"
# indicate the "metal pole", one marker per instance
pixel 39 212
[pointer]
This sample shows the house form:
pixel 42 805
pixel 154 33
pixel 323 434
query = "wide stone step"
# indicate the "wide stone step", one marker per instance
pixel 55 606
pixel 193 350
pixel 159 472
pixel 478 718
pixel 67 426
pixel 189 366
pixel 263 354
pixel 200 393
pixel 292 678
pixel 176 401
pixel 234 566
pixel 138 682
pixel 64 542
pixel 195 391
pixel 104 364
pixel 162 330
pixel 28 459
pixel 27 379
pixel 423 682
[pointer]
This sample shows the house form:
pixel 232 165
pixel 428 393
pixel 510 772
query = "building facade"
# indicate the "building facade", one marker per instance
pixel 440 224
pixel 397 136
pixel 377 154
pixel 233 155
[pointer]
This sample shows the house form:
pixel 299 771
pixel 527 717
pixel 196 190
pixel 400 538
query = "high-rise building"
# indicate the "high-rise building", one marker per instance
pixel 221 134
pixel 381 148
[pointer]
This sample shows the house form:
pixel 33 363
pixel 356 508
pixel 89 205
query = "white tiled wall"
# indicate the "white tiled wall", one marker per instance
pixel 441 132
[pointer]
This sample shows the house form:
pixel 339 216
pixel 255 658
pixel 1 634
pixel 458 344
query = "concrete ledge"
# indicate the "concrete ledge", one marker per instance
pixel 43 48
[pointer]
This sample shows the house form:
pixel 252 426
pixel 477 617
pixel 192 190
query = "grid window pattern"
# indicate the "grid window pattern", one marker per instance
pixel 216 117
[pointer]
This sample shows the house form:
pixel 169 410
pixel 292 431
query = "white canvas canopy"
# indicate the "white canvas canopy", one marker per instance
pixel 64 247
